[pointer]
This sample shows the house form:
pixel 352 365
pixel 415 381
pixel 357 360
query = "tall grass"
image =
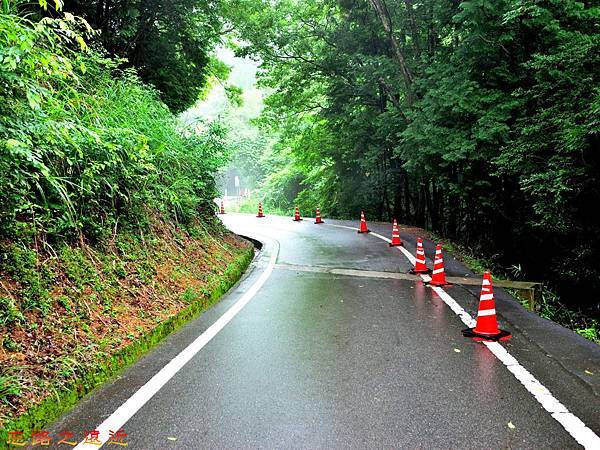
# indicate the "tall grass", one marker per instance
pixel 86 147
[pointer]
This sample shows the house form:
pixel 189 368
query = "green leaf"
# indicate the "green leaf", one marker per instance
pixel 34 99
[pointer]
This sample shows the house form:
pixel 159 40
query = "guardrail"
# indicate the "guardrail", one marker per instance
pixel 532 289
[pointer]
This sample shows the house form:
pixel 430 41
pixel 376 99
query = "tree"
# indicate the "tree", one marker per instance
pixel 169 42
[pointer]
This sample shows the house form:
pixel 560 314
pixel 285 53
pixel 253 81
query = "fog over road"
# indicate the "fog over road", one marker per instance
pixel 313 357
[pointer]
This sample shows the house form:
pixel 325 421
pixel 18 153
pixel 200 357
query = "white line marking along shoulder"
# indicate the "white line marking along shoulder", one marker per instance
pixel 119 418
pixel 571 423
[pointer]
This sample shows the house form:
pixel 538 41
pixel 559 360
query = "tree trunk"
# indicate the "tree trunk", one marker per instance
pixel 413 26
pixel 384 15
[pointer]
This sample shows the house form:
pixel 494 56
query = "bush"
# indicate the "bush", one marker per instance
pixel 86 147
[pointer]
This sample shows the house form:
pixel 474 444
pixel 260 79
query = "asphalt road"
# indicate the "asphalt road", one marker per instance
pixel 327 358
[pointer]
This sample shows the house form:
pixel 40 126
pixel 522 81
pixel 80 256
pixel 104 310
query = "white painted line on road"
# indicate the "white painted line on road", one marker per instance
pixel 453 304
pixel 571 423
pixel 119 418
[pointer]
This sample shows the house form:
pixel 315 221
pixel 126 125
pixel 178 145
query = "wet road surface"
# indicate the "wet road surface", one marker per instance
pixel 319 359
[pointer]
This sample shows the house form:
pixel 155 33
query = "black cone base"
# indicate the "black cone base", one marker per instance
pixel 414 272
pixel 501 336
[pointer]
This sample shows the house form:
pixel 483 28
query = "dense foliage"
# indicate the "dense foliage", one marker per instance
pixel 168 42
pixel 477 119
pixel 108 238
pixel 87 148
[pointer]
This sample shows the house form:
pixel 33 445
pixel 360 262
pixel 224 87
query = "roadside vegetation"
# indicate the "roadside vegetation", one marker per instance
pixel 476 120
pixel 548 303
pixel 108 239
pixel 99 308
pixel 86 146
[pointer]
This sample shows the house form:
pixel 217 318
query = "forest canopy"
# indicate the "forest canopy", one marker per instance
pixel 169 43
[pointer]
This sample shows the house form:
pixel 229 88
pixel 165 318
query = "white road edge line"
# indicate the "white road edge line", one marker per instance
pixel 570 422
pixel 119 418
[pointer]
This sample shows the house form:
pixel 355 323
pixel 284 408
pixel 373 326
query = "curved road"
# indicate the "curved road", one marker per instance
pixel 326 343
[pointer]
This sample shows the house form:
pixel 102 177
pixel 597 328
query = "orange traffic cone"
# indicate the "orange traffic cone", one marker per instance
pixel 420 266
pixel 486 328
pixel 260 211
pixel 318 218
pixel 297 217
pixel 396 241
pixel 438 276
pixel 222 211
pixel 363 224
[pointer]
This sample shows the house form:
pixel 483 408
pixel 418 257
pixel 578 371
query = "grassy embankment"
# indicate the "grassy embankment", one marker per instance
pixel 105 306
pixel 108 240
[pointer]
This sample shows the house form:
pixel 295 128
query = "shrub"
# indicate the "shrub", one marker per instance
pixel 86 147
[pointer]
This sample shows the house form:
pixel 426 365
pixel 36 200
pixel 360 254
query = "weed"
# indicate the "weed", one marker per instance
pixel 9 312
pixel 12 384
pixel 78 267
pixel 189 296
pixel 9 387
pixel 10 345
pixel 64 301
pixel 591 333
pixel 22 264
